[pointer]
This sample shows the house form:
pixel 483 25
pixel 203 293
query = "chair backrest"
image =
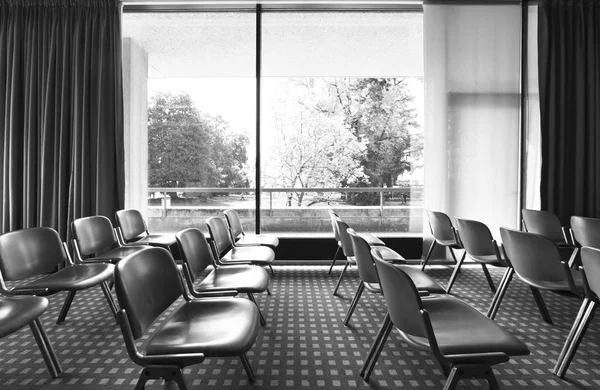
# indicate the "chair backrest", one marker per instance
pixel 147 282
pixel 29 252
pixel 342 228
pixel 590 258
pixel 195 251
pixel 401 298
pixel 534 257
pixel 441 226
pixel 476 238
pixel 235 225
pixel 364 260
pixel 586 231
pixel 333 216
pixel 93 234
pixel 220 236
pixel 544 223
pixel 131 222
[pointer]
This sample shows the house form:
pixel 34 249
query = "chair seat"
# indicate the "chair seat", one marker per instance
pixel 487 259
pixel 451 243
pixel 390 255
pixel 372 240
pixel 162 240
pixel 258 240
pixel 559 285
pixel 462 330
pixel 373 287
pixel 75 277
pixel 242 278
pixel 422 281
pixel 116 254
pixel 262 255
pixel 18 311
pixel 214 327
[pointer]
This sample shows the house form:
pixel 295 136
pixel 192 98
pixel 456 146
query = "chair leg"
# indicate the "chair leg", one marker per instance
pixel 488 277
pixel 499 296
pixel 66 305
pixel 454 274
pixel 377 352
pixel 268 291
pixel 359 291
pixel 109 298
pixel 334 259
pixel 464 371
pixel 340 278
pixel 571 335
pixel 541 305
pixel 45 348
pixel 382 330
pixel 262 318
pixel 168 373
pixel 428 255
pixel 585 322
pixel 248 368
pixel 453 379
pixel 272 270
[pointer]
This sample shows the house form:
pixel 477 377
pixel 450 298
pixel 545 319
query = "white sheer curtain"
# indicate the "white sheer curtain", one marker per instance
pixel 472 98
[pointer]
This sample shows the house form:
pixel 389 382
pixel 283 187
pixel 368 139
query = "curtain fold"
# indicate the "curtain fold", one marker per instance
pixel 61 99
pixel 569 79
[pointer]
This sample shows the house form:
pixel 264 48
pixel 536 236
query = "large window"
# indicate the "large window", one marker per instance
pixel 341 118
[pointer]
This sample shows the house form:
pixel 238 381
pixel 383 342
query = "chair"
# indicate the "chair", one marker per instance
pixel 480 246
pixel 443 234
pixel 133 230
pixel 586 231
pixel 16 312
pixel 147 283
pixel 464 342
pixel 348 251
pixel 94 241
pixel 371 239
pixel 239 238
pixel 364 254
pixel 36 251
pixel 197 257
pixel 537 261
pixel 547 224
pixel 590 257
pixel 227 254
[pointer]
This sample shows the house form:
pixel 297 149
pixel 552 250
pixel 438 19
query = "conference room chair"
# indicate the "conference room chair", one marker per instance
pixel 481 247
pixel 443 234
pixel 348 251
pixel 228 254
pixel 371 239
pixel 465 343
pixel 537 261
pixel 241 238
pixel 95 241
pixel 585 231
pixel 19 311
pixel 147 283
pixel 197 258
pixel 590 258
pixel 547 224
pixel 132 229
pixel 39 252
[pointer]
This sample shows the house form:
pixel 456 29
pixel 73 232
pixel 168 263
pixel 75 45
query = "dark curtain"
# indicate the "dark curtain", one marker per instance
pixel 61 99
pixel 569 77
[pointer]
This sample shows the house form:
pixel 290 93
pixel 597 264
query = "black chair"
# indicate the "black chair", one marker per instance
pixel 590 257
pixel 480 246
pixel 39 251
pixel 586 231
pixel 147 283
pixel 197 257
pixel 133 230
pixel 537 261
pixel 17 312
pixel 240 238
pixel 547 224
pixel 443 234
pixel 465 343
pixel 227 254
pixel 95 241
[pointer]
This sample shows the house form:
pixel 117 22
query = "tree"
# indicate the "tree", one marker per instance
pixel 187 148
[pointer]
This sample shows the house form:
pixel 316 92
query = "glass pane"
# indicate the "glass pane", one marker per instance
pixel 342 109
pixel 199 95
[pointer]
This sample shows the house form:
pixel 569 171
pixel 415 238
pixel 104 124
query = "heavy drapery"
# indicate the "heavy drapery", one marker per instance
pixel 61 99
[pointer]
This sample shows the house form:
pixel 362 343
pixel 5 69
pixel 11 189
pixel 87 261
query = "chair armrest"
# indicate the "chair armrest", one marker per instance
pixel 27 291
pixel 213 294
pixel 423 293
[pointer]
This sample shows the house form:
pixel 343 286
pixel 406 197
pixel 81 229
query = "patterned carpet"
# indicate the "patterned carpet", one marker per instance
pixel 305 345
